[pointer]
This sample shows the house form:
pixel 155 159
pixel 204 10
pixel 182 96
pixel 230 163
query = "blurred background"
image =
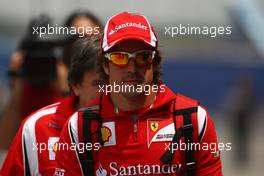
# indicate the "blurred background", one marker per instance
pixel 225 73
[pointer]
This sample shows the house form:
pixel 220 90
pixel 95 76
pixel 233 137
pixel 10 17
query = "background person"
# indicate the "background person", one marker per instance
pixel 32 151
pixel 78 19
pixel 32 77
pixel 22 101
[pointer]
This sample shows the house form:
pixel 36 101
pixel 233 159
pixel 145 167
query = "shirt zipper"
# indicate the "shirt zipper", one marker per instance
pixel 135 127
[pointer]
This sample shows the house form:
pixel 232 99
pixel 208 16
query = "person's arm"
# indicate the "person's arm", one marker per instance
pixel 208 157
pixel 10 120
pixel 14 164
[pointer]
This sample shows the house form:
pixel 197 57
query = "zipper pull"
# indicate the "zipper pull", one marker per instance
pixel 135 127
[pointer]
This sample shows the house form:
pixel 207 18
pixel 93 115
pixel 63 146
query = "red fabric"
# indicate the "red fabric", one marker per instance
pixel 13 164
pixel 136 151
pixel 45 127
pixel 35 97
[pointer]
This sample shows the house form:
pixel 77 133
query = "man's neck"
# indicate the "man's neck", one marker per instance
pixel 127 103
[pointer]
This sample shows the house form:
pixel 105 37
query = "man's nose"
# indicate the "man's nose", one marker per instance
pixel 131 65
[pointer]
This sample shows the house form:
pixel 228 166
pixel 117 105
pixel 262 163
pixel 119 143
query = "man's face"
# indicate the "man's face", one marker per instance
pixel 130 74
pixel 83 22
pixel 86 25
pixel 87 90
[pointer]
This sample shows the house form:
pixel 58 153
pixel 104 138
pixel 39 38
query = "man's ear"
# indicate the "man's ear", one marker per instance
pixel 106 68
pixel 76 89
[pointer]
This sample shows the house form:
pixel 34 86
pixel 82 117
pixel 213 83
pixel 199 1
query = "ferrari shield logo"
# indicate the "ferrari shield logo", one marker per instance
pixel 160 130
pixel 154 126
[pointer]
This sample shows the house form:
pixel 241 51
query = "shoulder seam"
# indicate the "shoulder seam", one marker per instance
pixel 29 137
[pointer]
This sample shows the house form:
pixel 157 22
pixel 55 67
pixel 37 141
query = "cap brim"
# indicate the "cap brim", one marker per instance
pixel 125 38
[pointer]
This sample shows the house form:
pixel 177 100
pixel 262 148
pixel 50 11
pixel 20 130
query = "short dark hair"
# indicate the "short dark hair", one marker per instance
pixel 82 13
pixel 67 51
pixel 104 78
pixel 86 52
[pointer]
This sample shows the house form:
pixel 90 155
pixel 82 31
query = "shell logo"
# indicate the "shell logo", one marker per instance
pixel 106 133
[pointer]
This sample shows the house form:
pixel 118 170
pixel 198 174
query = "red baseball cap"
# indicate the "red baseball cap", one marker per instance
pixel 125 26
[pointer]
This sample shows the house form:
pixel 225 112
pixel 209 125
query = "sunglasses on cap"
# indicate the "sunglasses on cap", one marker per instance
pixel 142 58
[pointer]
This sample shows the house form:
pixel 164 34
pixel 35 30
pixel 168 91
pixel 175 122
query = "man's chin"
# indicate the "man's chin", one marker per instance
pixel 133 83
pixel 132 94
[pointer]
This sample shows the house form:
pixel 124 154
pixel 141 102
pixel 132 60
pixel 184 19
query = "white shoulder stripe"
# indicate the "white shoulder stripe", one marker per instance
pixel 51 105
pixel 29 136
pixel 201 117
pixel 73 133
pixel 73 125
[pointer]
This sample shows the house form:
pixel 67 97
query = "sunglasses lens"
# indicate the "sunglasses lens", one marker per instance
pixel 120 59
pixel 144 58
pixel 141 58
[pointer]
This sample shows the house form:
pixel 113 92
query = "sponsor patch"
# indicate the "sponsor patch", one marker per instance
pixel 160 130
pixel 101 171
pixel 108 133
pixel 54 125
pixel 59 172
pixel 216 154
pixel 144 169
pixel 52 147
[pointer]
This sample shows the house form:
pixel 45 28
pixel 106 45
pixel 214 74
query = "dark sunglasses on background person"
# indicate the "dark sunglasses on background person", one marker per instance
pixel 142 58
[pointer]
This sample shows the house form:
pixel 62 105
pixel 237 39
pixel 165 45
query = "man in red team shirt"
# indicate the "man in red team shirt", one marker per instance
pixel 32 151
pixel 134 128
